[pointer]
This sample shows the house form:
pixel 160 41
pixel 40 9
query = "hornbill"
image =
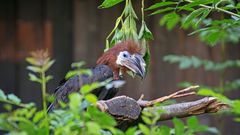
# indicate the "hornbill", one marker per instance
pixel 122 57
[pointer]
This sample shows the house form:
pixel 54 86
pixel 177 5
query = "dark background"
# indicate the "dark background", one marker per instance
pixel 74 30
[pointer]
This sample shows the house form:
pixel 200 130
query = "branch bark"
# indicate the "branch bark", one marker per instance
pixel 127 110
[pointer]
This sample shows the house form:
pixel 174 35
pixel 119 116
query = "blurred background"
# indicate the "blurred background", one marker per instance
pixel 75 30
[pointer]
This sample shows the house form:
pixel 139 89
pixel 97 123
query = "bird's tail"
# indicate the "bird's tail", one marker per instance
pixel 51 107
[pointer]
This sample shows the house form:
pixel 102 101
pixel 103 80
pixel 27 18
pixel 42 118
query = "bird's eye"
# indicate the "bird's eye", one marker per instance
pixel 124 55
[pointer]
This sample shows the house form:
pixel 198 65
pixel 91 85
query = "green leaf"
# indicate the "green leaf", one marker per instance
pixel 89 87
pixel 196 3
pixel 237 119
pixel 49 77
pixel 170 19
pixel 2 95
pixel 185 8
pixel 189 19
pixel 48 65
pixel 185 84
pixel 232 85
pixel 129 11
pixel 192 123
pixel 8 107
pixel 178 126
pixel 133 26
pixel 162 10
pixel 147 113
pixel 34 78
pixel 27 125
pixel 109 3
pixel 172 58
pixel 18 133
pixel 78 64
pixel 34 69
pixel 144 129
pixel 31 60
pixel 117 37
pixel 238 5
pixel 164 130
pixel 101 118
pixel 185 63
pixel 107 46
pixel 31 112
pixel 38 116
pixel 75 101
pixel 72 73
pixel 146 120
pixel 14 98
pixel 147 58
pixel 204 15
pixel 93 128
pixel 201 30
pixel 235 104
pixel 131 131
pixel 188 61
pixel 214 37
pixel 161 4
pixel 91 98
pixel 196 62
pixel 208 92
pixel 145 32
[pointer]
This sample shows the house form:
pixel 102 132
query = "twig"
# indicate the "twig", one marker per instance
pixel 182 93
pixel 13 103
pixel 217 8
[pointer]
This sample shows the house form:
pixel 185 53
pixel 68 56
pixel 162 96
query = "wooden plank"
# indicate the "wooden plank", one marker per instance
pixel 29 36
pixel 7 46
pixel 60 14
pixel 86 24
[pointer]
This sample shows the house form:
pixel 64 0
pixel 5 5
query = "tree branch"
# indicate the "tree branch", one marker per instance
pixel 127 110
pixel 217 8
pixel 201 106
pixel 181 93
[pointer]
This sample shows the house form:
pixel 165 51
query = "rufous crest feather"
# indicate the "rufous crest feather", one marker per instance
pixel 109 57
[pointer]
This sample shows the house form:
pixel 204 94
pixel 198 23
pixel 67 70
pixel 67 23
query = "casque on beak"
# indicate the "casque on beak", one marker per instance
pixel 136 64
pixel 141 64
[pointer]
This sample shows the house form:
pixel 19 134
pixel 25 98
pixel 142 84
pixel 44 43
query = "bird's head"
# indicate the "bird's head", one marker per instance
pixel 124 56
pixel 132 62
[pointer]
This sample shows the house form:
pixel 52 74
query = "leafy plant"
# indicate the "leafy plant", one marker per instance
pixel 196 14
pixel 125 28
pixel 234 104
pixel 40 63
pixel 150 117
pixel 186 62
pixel 78 70
pixel 223 30
pixel 70 119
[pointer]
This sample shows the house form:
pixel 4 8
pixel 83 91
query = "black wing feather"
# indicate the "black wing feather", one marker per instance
pixel 99 74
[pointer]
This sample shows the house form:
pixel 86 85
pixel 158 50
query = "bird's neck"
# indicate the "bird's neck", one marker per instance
pixel 116 74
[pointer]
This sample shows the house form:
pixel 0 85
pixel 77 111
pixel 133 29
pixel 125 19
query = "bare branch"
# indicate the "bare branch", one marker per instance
pixel 127 110
pixel 202 106
pixel 181 93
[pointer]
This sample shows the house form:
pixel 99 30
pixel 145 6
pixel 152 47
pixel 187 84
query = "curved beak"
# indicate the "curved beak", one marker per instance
pixel 136 64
